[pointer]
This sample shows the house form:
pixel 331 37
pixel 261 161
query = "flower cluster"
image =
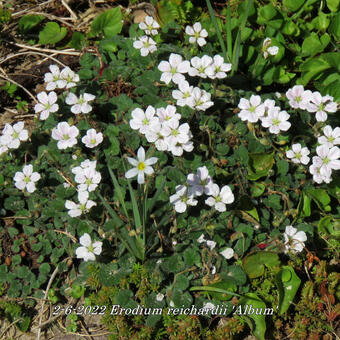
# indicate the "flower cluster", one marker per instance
pixel 12 136
pixel 57 79
pixel 270 115
pixel 145 43
pixel 313 102
pixel 197 185
pixel 162 127
pixel 207 67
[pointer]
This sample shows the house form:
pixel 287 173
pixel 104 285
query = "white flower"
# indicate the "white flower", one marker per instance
pixel 200 100
pixel 218 68
pixel 201 182
pixel 3 148
pixel 65 135
pixel 141 166
pixel 159 297
pixel 314 169
pixel 298 97
pixel 92 138
pixel 294 239
pixel 146 45
pixel 53 79
pixel 86 176
pixel 276 121
pixel 327 159
pixel 175 133
pixel 70 77
pixel 181 200
pixel 331 137
pixel 47 104
pixel 81 104
pixel 211 244
pixel 12 135
pixel 150 25
pixel 167 115
pixel 197 34
pixel 201 239
pixel 84 205
pixel 88 249
pixel 227 253
pixel 183 94
pixel 174 69
pixel 141 120
pixel 200 67
pixel 298 154
pixel 269 50
pixel 26 179
pixel 219 199
pixel 208 306
pixel 252 109
pixel 213 270
pixel 321 105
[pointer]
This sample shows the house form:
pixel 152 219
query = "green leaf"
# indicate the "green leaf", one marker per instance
pixel 258 322
pixel 320 197
pixel 225 285
pixel 182 282
pixel 27 22
pixel 257 190
pixel 44 268
pixel 329 226
pixel 191 257
pixel 266 13
pixel 77 40
pixel 241 154
pixel 123 297
pixel 51 34
pixel 313 45
pixel 259 165
pixel 293 5
pixel 334 27
pixel 14 203
pixel 254 264
pixel 108 23
pixel 234 274
pixel 333 5
pixel 288 284
pixel 282 167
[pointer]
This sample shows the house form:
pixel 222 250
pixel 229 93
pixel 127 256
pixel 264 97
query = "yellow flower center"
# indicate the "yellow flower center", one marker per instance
pixel 141 166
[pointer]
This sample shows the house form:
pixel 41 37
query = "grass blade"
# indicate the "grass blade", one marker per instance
pixel 218 32
pixel 229 34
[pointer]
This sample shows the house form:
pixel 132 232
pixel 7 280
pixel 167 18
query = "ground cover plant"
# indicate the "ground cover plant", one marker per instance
pixel 180 179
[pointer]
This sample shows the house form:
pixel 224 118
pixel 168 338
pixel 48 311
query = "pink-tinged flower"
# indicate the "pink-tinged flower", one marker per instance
pixel 218 68
pixel 321 105
pixel 200 100
pixel 65 135
pixel 141 166
pixel 86 176
pixel 252 109
pixel 92 138
pixel 298 97
pixel 276 121
pixel 294 240
pixel 331 137
pixel 174 69
pixel 146 45
pixel 47 104
pixel 26 179
pixel 82 207
pixel 327 159
pixel 89 249
pixel 298 154
pixel 81 104
pixel 219 199
pixel 13 135
pixel 181 200
pixel 227 253
pixel 141 120
pixel 150 25
pixel 167 114
pixel 197 34
pixel 176 133
pixel 200 182
pixel 314 169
